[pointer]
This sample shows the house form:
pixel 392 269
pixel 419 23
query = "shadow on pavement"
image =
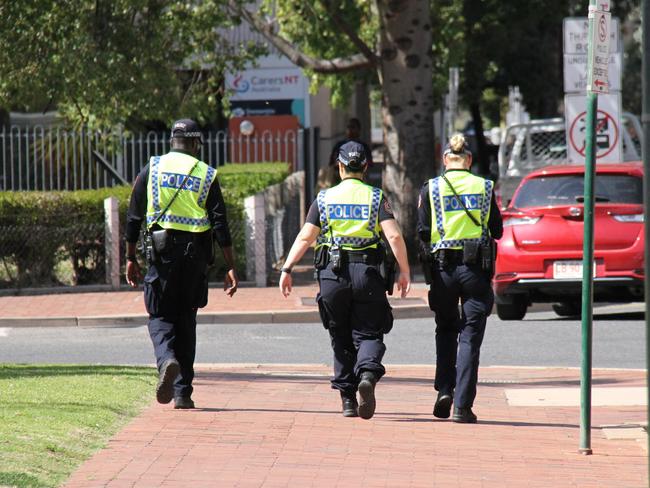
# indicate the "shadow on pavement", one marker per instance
pixel 506 423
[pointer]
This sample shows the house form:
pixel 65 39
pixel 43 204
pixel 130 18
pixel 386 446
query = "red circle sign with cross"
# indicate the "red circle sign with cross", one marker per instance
pixel 607 133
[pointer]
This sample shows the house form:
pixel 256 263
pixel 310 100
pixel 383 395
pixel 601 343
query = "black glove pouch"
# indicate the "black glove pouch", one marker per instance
pixel 161 241
pixel 470 252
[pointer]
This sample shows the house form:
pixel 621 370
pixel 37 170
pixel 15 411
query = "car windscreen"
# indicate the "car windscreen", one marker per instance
pixel 569 189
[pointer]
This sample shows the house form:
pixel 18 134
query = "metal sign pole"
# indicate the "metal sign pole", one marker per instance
pixel 645 118
pixel 588 253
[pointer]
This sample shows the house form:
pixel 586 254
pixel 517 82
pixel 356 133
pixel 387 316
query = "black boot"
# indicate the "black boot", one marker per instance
pixel 367 401
pixel 349 404
pixel 168 373
pixel 464 416
pixel 442 408
pixel 183 402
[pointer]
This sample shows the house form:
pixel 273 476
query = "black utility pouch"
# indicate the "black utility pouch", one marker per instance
pixel 488 256
pixel 470 252
pixel 161 241
pixel 335 258
pixel 321 256
pixel 149 251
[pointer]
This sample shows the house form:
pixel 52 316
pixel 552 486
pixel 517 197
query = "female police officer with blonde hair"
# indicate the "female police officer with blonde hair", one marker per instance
pixel 346 220
pixel 457 222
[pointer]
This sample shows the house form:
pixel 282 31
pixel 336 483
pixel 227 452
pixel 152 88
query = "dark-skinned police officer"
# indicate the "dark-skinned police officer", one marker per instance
pixel 184 209
pixel 346 221
pixel 458 221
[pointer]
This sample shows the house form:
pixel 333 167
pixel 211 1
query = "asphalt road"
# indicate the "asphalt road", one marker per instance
pixel 541 339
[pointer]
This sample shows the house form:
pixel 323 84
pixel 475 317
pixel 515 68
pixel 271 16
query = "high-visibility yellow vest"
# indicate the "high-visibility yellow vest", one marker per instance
pixel 187 212
pixel 349 215
pixel 450 225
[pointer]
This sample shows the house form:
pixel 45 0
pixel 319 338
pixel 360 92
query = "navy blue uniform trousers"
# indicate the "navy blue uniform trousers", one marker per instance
pixel 354 309
pixel 459 335
pixel 173 290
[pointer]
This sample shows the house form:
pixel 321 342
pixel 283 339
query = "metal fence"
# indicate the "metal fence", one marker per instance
pixel 51 254
pixel 39 158
pixel 47 254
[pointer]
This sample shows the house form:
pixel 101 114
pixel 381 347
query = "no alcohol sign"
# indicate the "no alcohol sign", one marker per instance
pixel 608 128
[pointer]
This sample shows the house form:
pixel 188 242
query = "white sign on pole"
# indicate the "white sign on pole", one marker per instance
pixel 598 76
pixel 575 72
pixel 608 128
pixel 576 35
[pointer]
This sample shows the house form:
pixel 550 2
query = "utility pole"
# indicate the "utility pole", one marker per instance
pixel 597 82
pixel 645 119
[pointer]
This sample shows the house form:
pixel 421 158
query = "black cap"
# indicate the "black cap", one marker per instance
pixel 353 155
pixel 186 128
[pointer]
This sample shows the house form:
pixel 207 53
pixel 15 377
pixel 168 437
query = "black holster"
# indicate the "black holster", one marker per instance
pixel 426 261
pixel 488 255
pixel 390 271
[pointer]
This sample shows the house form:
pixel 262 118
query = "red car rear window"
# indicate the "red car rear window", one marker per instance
pixel 569 189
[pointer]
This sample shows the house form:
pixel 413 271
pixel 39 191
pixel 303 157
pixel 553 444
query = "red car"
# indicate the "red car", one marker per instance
pixel 540 253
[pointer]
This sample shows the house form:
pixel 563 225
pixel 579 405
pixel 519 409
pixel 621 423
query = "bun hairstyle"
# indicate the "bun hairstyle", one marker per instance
pixel 457 143
pixel 457 151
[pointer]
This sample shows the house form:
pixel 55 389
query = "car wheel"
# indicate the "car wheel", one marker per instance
pixel 513 311
pixel 568 309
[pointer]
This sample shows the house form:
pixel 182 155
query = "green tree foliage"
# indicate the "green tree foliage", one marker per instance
pixel 107 62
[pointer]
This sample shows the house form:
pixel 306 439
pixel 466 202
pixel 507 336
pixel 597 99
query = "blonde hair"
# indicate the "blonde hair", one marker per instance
pixel 457 151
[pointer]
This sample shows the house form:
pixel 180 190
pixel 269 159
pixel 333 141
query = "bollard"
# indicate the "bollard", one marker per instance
pixel 112 241
pixel 256 239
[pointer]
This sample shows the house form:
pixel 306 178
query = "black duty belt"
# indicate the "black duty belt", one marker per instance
pixel 449 256
pixel 362 257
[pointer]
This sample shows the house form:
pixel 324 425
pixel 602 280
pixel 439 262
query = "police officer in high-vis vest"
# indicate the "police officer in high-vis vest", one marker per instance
pixel 458 221
pixel 180 198
pixel 346 221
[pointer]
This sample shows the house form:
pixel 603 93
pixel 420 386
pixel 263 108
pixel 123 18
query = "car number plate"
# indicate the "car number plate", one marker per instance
pixel 563 270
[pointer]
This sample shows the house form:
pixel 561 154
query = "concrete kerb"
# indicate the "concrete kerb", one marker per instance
pixel 209 318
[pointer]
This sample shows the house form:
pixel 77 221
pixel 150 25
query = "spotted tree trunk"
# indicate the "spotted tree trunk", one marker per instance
pixel 407 106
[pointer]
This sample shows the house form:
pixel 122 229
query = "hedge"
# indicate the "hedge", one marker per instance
pixel 42 231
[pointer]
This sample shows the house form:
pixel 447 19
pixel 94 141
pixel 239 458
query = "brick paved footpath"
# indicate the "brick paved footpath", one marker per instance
pixel 279 426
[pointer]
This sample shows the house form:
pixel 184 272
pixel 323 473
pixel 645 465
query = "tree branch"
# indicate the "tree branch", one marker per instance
pixel 352 35
pixel 336 65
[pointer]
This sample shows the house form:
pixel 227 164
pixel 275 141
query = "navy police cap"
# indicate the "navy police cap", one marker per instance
pixel 353 155
pixel 186 128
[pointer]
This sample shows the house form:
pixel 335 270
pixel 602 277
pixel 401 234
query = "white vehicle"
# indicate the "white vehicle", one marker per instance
pixel 532 145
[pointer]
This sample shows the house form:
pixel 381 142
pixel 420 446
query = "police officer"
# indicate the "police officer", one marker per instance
pixel 184 209
pixel 457 222
pixel 346 221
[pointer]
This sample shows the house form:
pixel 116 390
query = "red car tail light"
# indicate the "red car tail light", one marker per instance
pixel 505 276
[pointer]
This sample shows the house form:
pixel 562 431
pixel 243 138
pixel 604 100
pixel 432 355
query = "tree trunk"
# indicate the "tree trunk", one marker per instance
pixel 483 157
pixel 407 106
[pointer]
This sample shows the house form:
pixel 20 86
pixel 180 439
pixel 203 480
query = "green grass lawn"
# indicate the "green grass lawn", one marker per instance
pixel 53 417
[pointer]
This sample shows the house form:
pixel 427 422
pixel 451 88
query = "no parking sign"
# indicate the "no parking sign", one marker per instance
pixel 608 128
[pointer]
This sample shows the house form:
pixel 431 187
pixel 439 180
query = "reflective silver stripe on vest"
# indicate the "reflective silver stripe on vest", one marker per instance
pixel 374 209
pixel 355 241
pixel 206 185
pixel 435 197
pixel 322 214
pixel 175 219
pixel 155 161
pixel 485 207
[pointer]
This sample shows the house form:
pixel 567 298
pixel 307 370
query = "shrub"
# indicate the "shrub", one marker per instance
pixel 40 229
